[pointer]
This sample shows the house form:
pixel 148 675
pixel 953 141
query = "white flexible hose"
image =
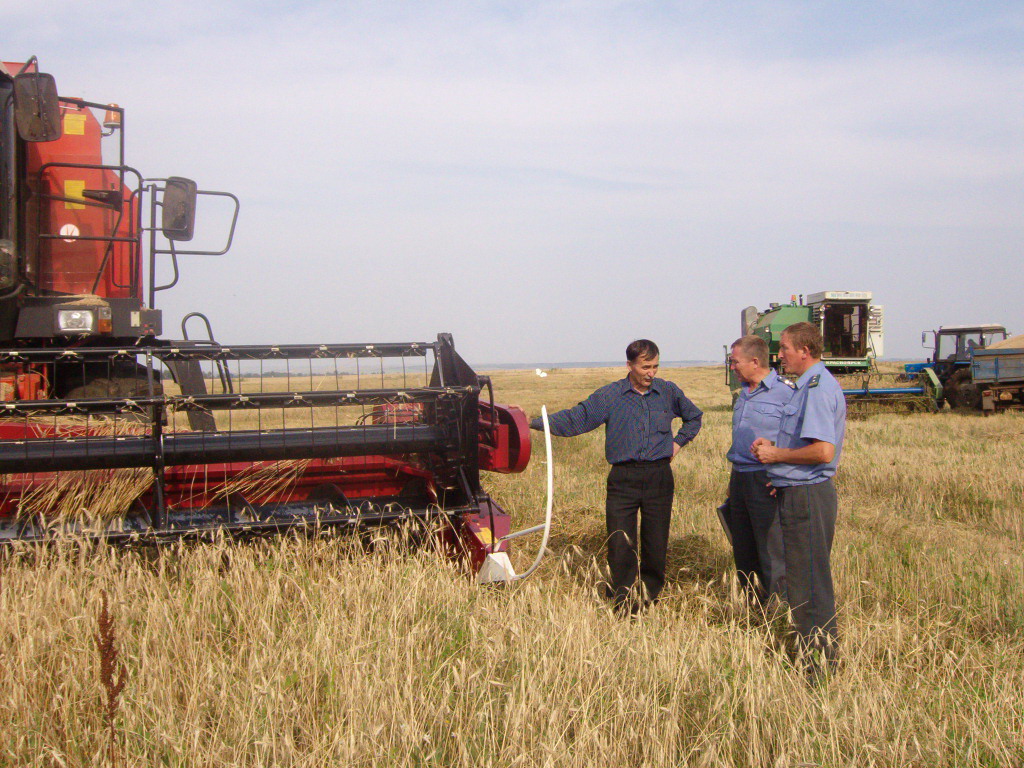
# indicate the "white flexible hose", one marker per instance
pixel 551 483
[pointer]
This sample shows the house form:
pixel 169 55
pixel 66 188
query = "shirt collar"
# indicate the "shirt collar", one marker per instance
pixel 627 386
pixel 817 369
pixel 768 381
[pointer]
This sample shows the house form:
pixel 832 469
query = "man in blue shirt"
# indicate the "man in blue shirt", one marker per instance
pixel 637 412
pixel 752 513
pixel 801 465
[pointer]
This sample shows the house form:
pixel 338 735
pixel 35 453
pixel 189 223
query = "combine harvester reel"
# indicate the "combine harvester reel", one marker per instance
pixel 307 437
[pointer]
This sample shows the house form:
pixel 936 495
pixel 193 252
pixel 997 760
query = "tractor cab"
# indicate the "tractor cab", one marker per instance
pixel 952 346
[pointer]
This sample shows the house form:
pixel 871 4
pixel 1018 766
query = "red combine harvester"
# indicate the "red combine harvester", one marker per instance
pixel 109 430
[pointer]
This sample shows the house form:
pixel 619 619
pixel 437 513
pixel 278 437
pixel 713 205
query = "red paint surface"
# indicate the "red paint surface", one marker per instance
pixel 72 267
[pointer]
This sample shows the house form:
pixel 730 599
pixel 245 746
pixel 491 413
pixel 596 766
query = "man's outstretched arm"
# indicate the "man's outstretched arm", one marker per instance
pixel 584 417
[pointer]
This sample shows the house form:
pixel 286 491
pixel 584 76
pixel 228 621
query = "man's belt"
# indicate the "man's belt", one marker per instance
pixel 636 463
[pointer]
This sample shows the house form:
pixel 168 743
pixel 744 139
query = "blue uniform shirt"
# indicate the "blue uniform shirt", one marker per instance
pixel 757 414
pixel 816 412
pixel 638 427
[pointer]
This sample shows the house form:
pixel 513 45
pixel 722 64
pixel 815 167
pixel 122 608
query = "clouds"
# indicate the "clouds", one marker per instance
pixel 517 172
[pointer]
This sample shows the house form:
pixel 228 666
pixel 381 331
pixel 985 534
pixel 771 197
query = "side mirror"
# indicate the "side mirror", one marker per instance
pixel 924 338
pixel 37 107
pixel 179 204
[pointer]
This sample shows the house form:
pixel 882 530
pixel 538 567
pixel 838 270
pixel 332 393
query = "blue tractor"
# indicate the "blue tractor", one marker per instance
pixel 951 347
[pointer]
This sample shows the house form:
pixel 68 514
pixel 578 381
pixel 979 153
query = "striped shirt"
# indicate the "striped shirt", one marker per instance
pixel 638 427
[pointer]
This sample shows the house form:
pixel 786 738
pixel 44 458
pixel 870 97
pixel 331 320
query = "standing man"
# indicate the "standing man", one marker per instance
pixel 637 412
pixel 752 511
pixel 800 466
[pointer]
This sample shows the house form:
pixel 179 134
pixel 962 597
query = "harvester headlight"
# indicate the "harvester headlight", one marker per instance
pixel 76 320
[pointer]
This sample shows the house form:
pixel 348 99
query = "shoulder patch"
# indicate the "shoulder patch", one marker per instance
pixel 814 381
pixel 787 382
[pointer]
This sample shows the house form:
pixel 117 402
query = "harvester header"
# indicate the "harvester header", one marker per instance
pixel 110 430
pixel 311 436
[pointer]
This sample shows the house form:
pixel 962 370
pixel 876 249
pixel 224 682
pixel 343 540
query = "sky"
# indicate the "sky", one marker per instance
pixel 549 180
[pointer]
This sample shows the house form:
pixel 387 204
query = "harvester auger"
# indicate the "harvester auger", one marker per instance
pixel 109 431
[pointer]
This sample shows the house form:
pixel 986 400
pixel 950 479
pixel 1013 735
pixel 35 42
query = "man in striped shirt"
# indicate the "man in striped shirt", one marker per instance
pixel 637 412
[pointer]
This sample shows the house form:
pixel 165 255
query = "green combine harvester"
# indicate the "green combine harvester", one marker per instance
pixel 852 331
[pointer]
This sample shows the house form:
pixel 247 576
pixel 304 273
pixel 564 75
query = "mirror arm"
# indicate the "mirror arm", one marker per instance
pixel 174 263
pixel 231 232
pixel 24 67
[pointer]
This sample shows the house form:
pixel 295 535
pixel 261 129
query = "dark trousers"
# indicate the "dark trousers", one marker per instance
pixel 646 487
pixel 807 514
pixel 753 518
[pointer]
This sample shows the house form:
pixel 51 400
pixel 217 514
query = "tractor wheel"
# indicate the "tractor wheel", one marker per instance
pixel 949 387
pixel 947 398
pixel 964 393
pixel 969 397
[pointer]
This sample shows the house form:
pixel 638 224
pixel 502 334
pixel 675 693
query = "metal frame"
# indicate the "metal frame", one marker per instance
pixel 446 438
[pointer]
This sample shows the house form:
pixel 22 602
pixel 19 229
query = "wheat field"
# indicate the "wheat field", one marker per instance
pixel 348 652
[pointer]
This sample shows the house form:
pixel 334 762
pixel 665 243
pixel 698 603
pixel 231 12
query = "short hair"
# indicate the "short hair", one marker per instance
pixel 644 348
pixel 753 347
pixel 805 334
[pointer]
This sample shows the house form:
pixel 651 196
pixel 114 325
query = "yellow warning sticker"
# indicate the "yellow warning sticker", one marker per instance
pixel 74 123
pixel 74 188
pixel 485 535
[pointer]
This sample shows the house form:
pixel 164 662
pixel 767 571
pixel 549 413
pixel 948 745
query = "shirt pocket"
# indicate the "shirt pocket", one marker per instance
pixel 663 421
pixel 769 415
pixel 790 417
